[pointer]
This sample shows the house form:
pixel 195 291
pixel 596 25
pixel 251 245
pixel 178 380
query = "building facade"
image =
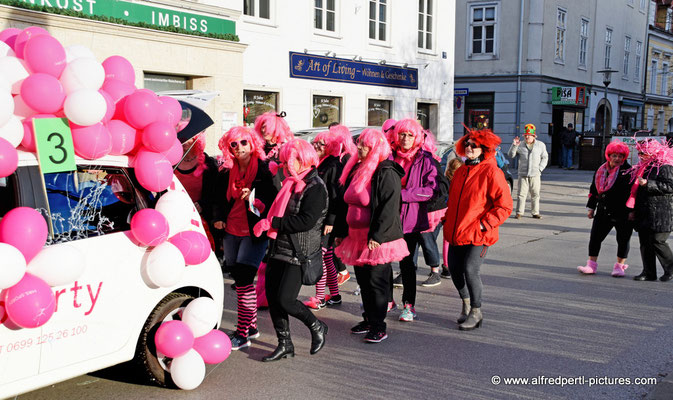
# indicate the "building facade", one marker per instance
pixel 658 85
pixel 538 62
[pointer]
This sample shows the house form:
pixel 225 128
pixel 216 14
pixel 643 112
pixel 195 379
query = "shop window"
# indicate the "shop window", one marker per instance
pixel 426 114
pixel 425 24
pixel 257 8
pixel 89 202
pixel 326 110
pixel 479 110
pixel 378 111
pixel 256 103
pixel 162 83
pixel 324 18
pixel 378 20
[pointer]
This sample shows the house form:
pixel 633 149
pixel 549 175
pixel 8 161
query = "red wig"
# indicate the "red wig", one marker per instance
pixel 275 125
pixel 488 141
pixel 617 147
pixel 239 133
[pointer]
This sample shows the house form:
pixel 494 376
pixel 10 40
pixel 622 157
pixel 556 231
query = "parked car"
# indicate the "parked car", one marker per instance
pixel 110 314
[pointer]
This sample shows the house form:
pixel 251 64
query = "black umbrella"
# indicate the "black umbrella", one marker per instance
pixel 194 121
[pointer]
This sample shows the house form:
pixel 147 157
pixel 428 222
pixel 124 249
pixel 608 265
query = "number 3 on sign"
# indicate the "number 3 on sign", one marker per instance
pixel 55 149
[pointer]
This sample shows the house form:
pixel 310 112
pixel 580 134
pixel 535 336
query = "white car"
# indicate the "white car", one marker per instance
pixel 110 313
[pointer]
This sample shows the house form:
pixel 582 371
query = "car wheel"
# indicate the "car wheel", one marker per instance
pixel 155 366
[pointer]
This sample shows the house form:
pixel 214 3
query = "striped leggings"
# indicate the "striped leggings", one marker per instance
pixel 244 275
pixel 329 275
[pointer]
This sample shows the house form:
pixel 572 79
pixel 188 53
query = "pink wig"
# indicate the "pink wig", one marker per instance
pixel 200 148
pixel 430 144
pixel 238 133
pixel 616 147
pixel 379 150
pixel 338 141
pixel 275 125
pixel 388 125
pixel 407 125
pixel 300 150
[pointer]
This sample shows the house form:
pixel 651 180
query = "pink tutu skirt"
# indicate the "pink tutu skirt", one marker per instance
pixel 434 218
pixel 353 249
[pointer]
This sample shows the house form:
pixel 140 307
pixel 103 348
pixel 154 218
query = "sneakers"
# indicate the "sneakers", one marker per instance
pixel 433 280
pixel 408 313
pixel 253 333
pixel 537 216
pixel 397 282
pixel 238 342
pixel 391 306
pixel 518 216
pixel 332 300
pixel 314 303
pixel 375 337
pixel 445 272
pixel 361 328
pixel 343 278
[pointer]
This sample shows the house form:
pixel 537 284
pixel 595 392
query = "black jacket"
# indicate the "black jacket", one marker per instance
pixel 208 183
pixel 385 225
pixel 654 201
pixel 330 171
pixel 265 191
pixel 438 202
pixel 612 203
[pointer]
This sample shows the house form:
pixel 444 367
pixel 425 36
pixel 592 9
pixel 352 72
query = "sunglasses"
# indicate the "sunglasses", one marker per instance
pixel 243 142
pixel 319 145
pixel 472 145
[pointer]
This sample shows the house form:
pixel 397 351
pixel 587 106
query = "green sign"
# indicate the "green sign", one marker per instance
pixel 55 150
pixel 569 95
pixel 142 13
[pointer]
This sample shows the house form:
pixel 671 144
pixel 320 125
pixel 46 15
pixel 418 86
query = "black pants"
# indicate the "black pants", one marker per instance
pixel 375 281
pixel 652 246
pixel 464 264
pixel 601 227
pixel 408 268
pixel 243 274
pixel 283 282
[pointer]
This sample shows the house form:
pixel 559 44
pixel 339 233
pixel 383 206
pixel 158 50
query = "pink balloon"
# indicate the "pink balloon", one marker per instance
pixel 124 137
pixel 193 245
pixel 91 142
pixel 214 347
pixel 30 303
pixel 9 158
pixel 43 93
pixel 149 227
pixel 174 338
pixel 110 106
pixel 24 36
pixel 25 229
pixel 118 89
pixel 171 111
pixel 141 109
pixel 159 136
pixel 175 153
pixel 44 53
pixel 117 67
pixel 153 170
pixel 21 109
pixel 9 36
pixel 28 141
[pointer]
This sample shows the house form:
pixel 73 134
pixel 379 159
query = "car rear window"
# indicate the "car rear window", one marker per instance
pixel 8 195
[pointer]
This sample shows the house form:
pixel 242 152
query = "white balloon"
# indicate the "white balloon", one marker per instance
pixel 12 131
pixel 201 316
pixel 58 265
pixel 14 70
pixel 6 107
pixel 13 265
pixel 78 51
pixel 21 109
pixel 85 107
pixel 188 370
pixel 5 86
pixel 165 265
pixel 5 50
pixel 82 73
pixel 177 207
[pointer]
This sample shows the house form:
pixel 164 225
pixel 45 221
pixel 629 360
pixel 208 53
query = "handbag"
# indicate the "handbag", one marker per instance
pixel 311 266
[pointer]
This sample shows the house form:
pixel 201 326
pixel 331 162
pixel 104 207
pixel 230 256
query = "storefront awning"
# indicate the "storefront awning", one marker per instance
pixel 632 103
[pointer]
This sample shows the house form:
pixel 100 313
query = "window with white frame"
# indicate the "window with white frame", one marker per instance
pixel 608 46
pixel 560 35
pixel 378 20
pixel 425 24
pixel 584 38
pixel 324 17
pixel 664 79
pixel 639 49
pixel 483 24
pixel 653 77
pixel 669 18
pixel 257 8
pixel 627 54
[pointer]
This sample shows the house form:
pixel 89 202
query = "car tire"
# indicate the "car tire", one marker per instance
pixel 146 357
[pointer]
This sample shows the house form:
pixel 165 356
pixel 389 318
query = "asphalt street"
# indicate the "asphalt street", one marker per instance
pixel 574 336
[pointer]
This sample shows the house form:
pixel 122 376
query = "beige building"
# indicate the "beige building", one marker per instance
pixel 658 84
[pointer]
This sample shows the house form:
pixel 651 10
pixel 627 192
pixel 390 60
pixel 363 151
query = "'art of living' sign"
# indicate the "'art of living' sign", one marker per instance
pixel 307 66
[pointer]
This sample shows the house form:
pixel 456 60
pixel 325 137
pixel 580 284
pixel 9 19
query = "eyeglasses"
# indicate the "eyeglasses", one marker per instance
pixel 243 142
pixel 319 145
pixel 472 145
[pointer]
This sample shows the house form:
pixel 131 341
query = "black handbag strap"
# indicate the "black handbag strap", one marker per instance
pixel 293 240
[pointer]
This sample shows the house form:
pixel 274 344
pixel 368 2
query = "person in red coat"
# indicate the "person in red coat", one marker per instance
pixel 479 202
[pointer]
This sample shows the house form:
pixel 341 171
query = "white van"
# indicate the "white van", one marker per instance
pixel 110 313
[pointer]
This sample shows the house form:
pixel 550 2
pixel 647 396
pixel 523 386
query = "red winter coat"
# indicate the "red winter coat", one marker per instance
pixel 478 193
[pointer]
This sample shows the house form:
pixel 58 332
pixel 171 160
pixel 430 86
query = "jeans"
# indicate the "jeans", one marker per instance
pixel 601 227
pixel 566 156
pixel 429 246
pixel 464 264
pixel 653 246
pixel 375 281
pixel 243 250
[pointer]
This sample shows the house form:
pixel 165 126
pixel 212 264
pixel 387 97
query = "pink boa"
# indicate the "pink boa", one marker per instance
pixel 291 184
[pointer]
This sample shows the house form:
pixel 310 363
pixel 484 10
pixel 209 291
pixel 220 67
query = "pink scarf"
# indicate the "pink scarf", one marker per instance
pixel 606 177
pixel 405 159
pixel 291 184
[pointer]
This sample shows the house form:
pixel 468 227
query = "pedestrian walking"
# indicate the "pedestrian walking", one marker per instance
pixel 532 158
pixel 451 168
pixel 610 189
pixel 369 235
pixel 568 137
pixel 479 202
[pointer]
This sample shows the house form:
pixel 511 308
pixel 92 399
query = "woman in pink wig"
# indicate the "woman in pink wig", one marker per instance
pixel 295 222
pixel 369 235
pixel 610 188
pixel 245 175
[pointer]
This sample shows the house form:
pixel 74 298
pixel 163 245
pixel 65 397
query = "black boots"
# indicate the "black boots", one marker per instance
pixel 318 332
pixel 285 348
pixel 473 320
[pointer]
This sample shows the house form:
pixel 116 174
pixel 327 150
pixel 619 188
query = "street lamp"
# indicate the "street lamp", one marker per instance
pixel 606 81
